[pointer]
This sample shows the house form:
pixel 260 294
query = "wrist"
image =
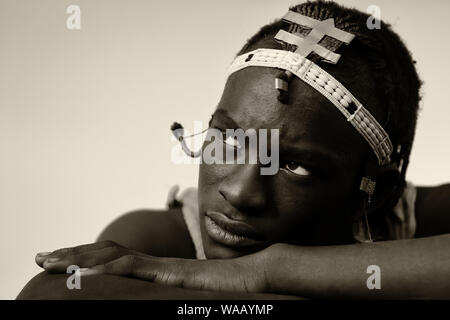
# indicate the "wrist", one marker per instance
pixel 272 266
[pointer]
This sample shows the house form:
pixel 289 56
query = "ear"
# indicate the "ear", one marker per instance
pixel 386 180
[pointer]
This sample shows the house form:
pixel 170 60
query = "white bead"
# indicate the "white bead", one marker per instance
pixel 341 93
pixel 329 89
pixel 344 103
pixel 314 72
pixel 323 78
pixel 375 138
pixel 378 134
pixel 311 76
pixel 322 84
pixel 348 99
pixel 337 96
pixel 332 84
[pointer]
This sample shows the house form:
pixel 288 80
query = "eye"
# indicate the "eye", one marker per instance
pixel 232 141
pixel 295 168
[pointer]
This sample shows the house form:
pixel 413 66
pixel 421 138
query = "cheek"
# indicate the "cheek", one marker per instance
pixel 314 213
pixel 318 212
pixel 210 176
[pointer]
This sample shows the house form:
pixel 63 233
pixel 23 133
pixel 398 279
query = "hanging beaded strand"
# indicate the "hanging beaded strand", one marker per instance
pixel 282 85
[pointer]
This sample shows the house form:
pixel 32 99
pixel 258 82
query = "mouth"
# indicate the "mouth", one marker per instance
pixel 229 232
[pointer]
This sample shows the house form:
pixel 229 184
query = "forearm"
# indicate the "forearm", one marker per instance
pixel 53 286
pixel 416 268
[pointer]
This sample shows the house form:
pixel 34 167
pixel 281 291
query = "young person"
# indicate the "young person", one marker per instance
pixel 345 99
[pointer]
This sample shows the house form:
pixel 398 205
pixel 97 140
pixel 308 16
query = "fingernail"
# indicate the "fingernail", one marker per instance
pixel 52 260
pixel 87 271
pixel 43 254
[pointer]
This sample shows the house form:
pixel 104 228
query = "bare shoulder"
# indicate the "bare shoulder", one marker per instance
pixel 433 210
pixel 161 233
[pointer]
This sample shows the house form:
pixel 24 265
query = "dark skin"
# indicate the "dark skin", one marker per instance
pixel 140 230
pixel 290 207
pixel 143 232
pixel 304 205
pixel 286 207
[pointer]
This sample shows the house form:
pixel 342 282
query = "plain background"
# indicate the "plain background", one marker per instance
pixel 85 114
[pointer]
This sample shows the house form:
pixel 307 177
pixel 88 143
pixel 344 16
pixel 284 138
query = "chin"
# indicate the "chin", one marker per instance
pixel 216 250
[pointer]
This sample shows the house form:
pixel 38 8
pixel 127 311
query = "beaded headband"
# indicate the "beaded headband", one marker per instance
pixel 297 64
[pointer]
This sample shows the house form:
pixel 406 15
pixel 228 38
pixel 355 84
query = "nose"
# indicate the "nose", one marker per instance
pixel 245 188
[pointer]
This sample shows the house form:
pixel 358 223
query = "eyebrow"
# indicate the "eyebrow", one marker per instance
pixel 313 155
pixel 310 154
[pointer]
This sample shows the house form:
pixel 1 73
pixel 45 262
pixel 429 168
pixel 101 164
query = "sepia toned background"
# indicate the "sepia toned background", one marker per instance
pixel 85 114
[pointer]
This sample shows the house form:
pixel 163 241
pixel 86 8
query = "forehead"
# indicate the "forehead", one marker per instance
pixel 309 119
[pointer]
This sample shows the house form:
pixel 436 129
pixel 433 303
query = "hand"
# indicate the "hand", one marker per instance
pixel 84 256
pixel 244 274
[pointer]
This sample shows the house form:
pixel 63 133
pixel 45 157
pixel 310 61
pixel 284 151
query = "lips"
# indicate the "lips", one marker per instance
pixel 230 232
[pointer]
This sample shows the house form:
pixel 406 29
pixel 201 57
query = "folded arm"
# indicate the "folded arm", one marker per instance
pixel 415 268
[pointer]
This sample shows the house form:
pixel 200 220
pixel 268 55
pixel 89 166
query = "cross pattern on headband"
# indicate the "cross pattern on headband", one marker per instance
pixel 310 43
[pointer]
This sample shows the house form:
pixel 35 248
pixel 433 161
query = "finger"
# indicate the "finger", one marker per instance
pixel 160 270
pixel 40 257
pixel 84 259
pixel 122 266
pixel 61 253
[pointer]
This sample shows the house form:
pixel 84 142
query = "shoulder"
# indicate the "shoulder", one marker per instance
pixel 433 210
pixel 156 232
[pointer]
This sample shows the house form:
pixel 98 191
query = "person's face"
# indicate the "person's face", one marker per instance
pixel 310 201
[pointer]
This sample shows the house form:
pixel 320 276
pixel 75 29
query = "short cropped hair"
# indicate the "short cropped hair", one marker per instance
pixel 390 64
